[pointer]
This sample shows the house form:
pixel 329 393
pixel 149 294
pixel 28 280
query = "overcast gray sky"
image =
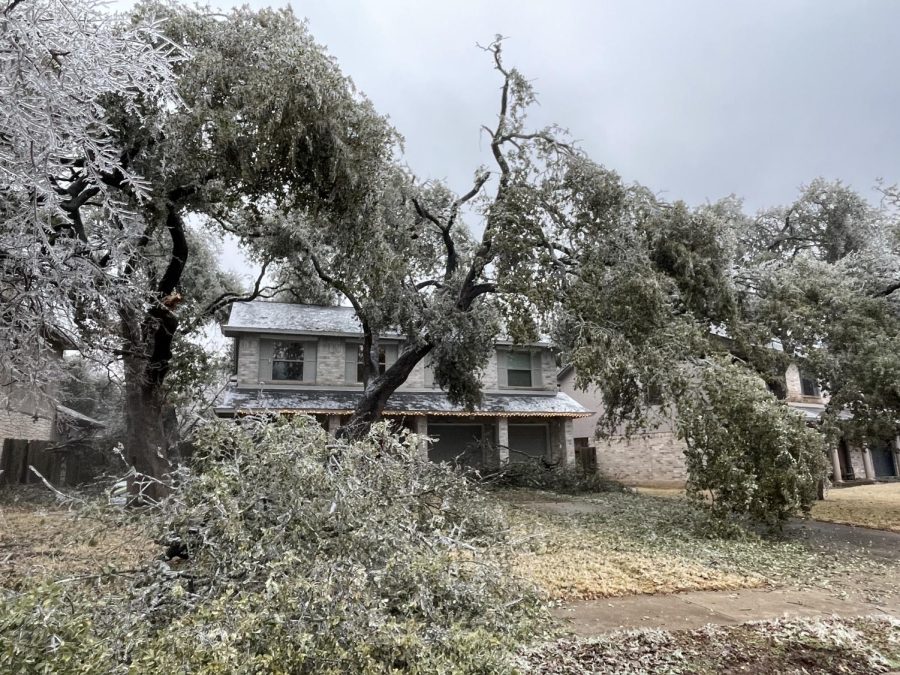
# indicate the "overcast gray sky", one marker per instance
pixel 695 99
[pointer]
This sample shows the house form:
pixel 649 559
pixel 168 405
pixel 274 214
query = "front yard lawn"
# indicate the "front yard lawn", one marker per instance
pixel 846 646
pixel 615 544
pixel 40 541
pixel 875 506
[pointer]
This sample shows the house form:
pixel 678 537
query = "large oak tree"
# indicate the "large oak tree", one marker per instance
pixel 543 237
pixel 185 115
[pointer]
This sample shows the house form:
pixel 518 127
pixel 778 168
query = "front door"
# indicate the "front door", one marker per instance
pixel 883 460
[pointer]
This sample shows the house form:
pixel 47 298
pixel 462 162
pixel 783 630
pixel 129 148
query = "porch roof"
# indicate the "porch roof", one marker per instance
pixel 338 402
pixel 813 412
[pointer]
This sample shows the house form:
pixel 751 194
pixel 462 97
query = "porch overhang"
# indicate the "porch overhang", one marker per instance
pixel 813 412
pixel 238 401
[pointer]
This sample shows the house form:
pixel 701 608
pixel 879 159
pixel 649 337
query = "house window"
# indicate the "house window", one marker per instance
pixel 287 360
pixel 808 385
pixel 518 369
pixel 653 394
pixel 382 362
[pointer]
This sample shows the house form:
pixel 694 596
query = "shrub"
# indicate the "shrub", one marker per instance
pixel 306 554
pixel 748 454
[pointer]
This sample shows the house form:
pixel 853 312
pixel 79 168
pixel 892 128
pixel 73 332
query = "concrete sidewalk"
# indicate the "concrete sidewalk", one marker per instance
pixel 687 611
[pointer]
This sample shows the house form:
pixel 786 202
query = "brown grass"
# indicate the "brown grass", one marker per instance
pixel 574 572
pixel 575 557
pixel 38 542
pixel 661 492
pixel 875 506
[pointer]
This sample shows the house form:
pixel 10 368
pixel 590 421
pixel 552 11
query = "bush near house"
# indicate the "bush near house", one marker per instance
pixel 301 554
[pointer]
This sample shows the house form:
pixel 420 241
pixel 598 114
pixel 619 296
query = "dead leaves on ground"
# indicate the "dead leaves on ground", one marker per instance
pixel 846 646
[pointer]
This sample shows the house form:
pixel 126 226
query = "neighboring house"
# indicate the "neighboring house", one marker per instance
pixel 656 456
pixel 35 432
pixel 308 359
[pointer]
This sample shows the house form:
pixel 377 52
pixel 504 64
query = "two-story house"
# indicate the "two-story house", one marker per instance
pixel 656 456
pixel 292 358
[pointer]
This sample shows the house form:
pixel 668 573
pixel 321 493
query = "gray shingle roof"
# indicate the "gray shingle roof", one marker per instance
pixel 400 403
pixel 282 317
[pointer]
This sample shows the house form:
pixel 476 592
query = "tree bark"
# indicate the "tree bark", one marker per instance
pixel 146 442
pixel 379 390
pixel 151 426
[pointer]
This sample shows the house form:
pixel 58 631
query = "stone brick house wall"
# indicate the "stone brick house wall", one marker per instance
pixel 24 415
pixel 656 458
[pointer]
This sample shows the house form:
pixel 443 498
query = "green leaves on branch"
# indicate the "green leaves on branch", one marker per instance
pixel 748 455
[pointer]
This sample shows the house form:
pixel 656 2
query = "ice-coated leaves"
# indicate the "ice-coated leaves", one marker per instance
pixel 61 65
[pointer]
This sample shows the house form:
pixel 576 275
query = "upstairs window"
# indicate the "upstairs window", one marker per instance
pixel 518 369
pixel 360 360
pixel 808 385
pixel 287 360
pixel 353 361
pixel 284 361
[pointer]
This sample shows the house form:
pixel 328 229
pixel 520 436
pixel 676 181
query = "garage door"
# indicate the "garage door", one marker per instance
pixel 883 460
pixel 456 443
pixel 527 442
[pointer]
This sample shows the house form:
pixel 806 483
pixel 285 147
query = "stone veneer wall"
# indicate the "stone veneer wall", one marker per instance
pixel 24 417
pixel 548 369
pixel 490 375
pixel 416 379
pixel 330 359
pixel 652 459
pixel 330 366
pixel 248 360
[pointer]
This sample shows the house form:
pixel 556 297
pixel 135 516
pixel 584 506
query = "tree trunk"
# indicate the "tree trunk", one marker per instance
pixel 146 442
pixel 378 391
pixel 150 432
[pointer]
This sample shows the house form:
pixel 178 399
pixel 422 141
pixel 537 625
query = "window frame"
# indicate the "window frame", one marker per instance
pixel 301 361
pixel 265 359
pixel 360 361
pixel 530 370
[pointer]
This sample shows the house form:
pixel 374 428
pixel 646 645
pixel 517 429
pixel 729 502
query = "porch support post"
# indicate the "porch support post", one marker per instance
pixel 897 456
pixel 836 465
pixel 422 432
pixel 501 455
pixel 568 443
pixel 334 423
pixel 867 463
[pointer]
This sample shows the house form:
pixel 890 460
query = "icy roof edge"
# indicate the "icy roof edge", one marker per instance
pixel 281 318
